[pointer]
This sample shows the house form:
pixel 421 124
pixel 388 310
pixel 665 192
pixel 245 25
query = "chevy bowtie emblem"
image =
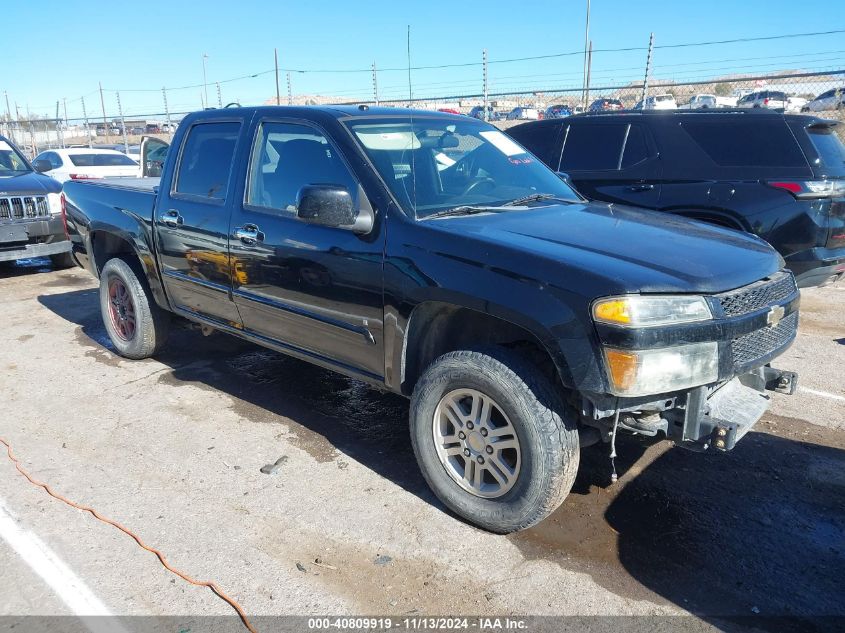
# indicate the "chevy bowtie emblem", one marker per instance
pixel 775 315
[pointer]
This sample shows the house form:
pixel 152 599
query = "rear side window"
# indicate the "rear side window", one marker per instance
pixel 206 160
pixel 540 141
pixel 746 143
pixel 830 149
pixel 101 160
pixel 636 150
pixel 593 147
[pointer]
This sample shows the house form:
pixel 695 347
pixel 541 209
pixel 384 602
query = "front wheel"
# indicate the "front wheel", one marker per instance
pixel 137 327
pixel 493 439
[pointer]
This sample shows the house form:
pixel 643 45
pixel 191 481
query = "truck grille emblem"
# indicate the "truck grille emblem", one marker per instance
pixel 775 315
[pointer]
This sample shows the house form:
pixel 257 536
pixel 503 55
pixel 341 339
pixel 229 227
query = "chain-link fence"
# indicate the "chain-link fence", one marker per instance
pixel 820 93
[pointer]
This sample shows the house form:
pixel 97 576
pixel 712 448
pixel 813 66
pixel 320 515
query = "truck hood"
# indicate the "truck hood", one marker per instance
pixel 32 182
pixel 634 249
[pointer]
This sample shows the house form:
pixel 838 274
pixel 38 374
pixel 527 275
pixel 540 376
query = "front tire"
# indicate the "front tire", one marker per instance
pixel 137 327
pixel 493 439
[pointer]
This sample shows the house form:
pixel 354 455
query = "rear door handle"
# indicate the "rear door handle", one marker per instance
pixel 643 186
pixel 171 218
pixel 249 234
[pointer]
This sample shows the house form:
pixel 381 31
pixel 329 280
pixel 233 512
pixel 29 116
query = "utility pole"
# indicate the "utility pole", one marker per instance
pixel 67 123
pixel 647 68
pixel 85 118
pixel 586 53
pixel 59 136
pixel 204 81
pixel 290 94
pixel 484 70
pixel 276 58
pixel 219 96
pixel 167 114
pixel 105 122
pixel 9 116
pixel 375 84
pixel 122 123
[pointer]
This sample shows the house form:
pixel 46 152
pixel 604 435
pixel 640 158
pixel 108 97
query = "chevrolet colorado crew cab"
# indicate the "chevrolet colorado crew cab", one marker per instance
pixel 31 217
pixel 430 255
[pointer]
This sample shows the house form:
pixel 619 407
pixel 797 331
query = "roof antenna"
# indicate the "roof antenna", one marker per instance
pixel 413 134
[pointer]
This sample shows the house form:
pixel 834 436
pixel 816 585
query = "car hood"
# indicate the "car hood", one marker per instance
pixel 635 250
pixel 33 182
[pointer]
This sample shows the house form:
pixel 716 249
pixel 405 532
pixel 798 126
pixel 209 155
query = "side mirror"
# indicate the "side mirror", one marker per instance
pixel 42 165
pixel 332 205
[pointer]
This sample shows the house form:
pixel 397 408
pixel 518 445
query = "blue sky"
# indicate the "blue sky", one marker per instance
pixel 137 46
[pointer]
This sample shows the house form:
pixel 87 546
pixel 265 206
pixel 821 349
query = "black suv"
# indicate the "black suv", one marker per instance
pixel 779 176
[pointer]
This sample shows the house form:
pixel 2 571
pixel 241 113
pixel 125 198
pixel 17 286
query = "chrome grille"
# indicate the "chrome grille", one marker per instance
pixel 760 294
pixel 749 349
pixel 24 208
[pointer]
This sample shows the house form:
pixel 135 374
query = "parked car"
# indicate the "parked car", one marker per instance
pixel 31 213
pixel 477 112
pixel 600 105
pixel 772 99
pixel 523 321
pixel 153 128
pixel 657 102
pixel 519 113
pixel 779 176
pixel 558 111
pixel 137 130
pixel 83 164
pixel 795 104
pixel 708 101
pixel 830 100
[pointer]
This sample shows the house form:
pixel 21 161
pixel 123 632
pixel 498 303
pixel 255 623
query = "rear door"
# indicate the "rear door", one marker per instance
pixel 612 160
pixel 192 222
pixel 314 290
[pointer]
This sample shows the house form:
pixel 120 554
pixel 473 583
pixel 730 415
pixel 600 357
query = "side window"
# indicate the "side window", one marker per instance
pixel 636 150
pixel 288 156
pixel 747 143
pixel 55 159
pixel 593 147
pixel 540 140
pixel 206 160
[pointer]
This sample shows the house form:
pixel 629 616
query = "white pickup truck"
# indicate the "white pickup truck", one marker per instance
pixel 705 101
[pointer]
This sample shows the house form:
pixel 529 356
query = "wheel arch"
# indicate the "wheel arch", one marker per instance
pixel 106 244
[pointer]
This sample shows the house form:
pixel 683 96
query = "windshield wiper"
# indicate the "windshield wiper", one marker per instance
pixel 462 210
pixel 534 197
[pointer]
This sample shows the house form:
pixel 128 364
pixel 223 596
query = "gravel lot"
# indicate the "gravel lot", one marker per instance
pixel 173 448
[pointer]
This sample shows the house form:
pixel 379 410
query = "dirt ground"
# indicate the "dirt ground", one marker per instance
pixel 173 448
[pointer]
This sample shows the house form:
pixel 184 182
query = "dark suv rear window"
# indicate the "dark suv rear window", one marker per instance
pixel 747 143
pixel 830 149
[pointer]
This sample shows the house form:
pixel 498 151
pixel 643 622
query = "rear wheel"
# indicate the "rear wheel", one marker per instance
pixel 137 327
pixel 493 439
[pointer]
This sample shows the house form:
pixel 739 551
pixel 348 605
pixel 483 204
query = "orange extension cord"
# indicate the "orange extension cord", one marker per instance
pixel 182 575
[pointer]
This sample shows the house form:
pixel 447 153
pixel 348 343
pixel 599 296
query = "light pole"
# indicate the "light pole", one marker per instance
pixel 204 81
pixel 586 46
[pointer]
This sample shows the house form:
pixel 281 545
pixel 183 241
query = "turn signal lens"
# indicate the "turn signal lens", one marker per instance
pixel 612 311
pixel 622 367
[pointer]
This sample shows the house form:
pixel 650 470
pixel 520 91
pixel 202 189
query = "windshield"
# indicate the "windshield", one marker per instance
pixel 438 164
pixel 102 160
pixel 11 162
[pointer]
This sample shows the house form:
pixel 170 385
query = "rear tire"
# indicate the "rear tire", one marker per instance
pixel 62 260
pixel 137 327
pixel 519 485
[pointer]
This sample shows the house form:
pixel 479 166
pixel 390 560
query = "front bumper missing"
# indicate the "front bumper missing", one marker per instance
pixel 719 419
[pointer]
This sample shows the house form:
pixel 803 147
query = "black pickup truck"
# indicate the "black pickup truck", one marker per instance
pixel 430 255
pixel 31 216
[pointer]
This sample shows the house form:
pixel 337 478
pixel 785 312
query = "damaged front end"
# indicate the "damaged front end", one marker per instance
pixel 715 362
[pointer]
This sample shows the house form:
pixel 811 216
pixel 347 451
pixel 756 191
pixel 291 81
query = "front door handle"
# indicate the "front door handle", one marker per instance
pixel 643 186
pixel 171 218
pixel 249 234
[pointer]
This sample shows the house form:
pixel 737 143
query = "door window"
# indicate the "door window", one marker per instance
pixel 541 140
pixel 763 143
pixel 636 150
pixel 288 156
pixel 593 147
pixel 206 160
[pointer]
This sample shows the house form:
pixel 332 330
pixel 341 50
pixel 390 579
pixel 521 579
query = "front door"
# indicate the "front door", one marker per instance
pixel 192 223
pixel 313 290
pixel 614 161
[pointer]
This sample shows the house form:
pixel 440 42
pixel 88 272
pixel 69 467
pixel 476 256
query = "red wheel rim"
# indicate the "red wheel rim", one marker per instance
pixel 121 309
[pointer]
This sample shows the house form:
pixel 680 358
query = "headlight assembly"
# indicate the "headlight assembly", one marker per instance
pixel 651 310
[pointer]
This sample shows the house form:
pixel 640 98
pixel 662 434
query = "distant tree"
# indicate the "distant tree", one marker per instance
pixel 723 89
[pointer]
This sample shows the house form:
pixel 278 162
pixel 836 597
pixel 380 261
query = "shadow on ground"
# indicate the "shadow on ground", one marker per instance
pixel 735 538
